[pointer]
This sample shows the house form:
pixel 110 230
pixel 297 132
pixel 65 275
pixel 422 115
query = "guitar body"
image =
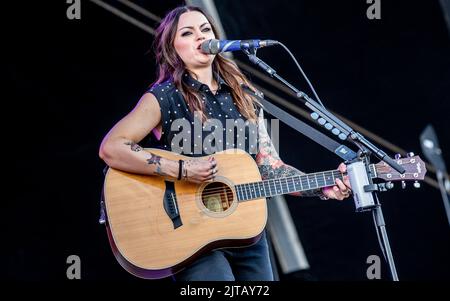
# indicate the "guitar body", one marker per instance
pixel 157 226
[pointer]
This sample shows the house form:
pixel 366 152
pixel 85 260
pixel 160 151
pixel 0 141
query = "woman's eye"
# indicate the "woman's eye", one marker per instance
pixel 187 33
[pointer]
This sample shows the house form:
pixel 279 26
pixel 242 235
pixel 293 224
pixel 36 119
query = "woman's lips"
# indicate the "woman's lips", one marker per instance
pixel 200 50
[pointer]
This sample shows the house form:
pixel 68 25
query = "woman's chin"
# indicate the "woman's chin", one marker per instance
pixel 204 62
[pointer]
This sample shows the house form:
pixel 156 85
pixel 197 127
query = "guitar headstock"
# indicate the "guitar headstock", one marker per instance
pixel 414 166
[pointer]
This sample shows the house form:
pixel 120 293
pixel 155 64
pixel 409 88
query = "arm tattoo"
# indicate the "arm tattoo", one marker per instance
pixel 267 158
pixel 266 147
pixel 282 171
pixel 269 162
pixel 269 172
pixel 134 146
pixel 156 160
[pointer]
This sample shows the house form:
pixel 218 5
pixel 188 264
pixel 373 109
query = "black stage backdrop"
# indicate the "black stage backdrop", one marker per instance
pixel 71 80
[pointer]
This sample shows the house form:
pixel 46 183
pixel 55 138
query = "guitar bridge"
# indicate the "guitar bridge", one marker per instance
pixel 171 205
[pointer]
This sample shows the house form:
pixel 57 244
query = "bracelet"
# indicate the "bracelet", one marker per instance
pixel 180 168
pixel 185 174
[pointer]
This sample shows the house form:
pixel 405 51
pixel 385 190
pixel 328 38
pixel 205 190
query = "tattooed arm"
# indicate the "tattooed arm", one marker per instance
pixel 270 164
pixel 120 150
pixel 137 160
pixel 131 157
pixel 155 164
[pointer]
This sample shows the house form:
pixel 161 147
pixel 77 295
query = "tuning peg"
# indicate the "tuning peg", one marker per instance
pixel 389 185
pixel 411 154
pixel 403 184
pixel 416 184
pixel 397 156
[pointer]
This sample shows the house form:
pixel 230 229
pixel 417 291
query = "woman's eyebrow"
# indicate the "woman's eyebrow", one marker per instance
pixel 191 27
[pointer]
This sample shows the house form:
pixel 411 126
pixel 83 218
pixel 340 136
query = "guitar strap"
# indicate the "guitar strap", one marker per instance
pixel 333 146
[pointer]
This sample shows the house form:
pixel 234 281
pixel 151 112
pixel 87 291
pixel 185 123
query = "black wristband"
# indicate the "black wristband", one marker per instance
pixel 180 168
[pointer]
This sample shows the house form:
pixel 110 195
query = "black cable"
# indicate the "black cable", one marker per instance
pixel 378 234
pixel 303 73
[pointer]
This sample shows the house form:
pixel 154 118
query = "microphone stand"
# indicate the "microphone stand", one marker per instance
pixel 364 190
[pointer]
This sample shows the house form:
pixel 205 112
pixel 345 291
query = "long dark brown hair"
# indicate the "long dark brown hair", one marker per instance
pixel 170 66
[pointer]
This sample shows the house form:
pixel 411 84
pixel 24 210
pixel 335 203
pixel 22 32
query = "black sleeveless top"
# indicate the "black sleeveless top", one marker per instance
pixel 185 134
pixel 183 131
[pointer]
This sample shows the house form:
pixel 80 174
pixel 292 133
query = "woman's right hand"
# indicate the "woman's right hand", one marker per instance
pixel 200 170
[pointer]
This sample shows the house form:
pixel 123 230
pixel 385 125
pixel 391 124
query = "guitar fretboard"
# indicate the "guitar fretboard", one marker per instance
pixel 279 186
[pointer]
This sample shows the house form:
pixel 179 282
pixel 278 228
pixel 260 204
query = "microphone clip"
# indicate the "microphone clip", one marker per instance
pixel 250 50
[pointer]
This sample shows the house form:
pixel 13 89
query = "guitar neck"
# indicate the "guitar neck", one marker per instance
pixel 298 183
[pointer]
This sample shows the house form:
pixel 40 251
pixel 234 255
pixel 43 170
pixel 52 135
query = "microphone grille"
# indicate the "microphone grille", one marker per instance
pixel 211 46
pixel 205 46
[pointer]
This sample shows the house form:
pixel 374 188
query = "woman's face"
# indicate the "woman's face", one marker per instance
pixel 193 28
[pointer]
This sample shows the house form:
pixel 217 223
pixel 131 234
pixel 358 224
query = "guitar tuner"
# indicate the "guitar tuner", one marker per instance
pixel 416 184
pixel 397 156
pixel 410 154
pixel 403 184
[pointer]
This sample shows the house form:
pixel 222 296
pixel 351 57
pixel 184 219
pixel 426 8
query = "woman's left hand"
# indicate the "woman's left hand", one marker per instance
pixel 342 189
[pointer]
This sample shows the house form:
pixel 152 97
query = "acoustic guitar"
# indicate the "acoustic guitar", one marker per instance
pixel 157 226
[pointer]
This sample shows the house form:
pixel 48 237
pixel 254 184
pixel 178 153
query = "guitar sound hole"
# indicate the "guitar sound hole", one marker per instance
pixel 217 197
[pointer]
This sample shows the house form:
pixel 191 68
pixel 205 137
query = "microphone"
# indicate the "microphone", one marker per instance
pixel 217 46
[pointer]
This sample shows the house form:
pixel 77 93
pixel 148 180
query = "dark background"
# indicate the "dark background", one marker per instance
pixel 70 81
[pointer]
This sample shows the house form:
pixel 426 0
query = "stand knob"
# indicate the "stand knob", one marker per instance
pixel 416 184
pixel 397 156
pixel 403 184
pixel 342 136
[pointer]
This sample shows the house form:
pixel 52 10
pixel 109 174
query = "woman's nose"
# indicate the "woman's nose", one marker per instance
pixel 200 35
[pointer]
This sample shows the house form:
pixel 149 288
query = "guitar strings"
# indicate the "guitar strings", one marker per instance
pixel 229 193
pixel 336 175
pixel 339 176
